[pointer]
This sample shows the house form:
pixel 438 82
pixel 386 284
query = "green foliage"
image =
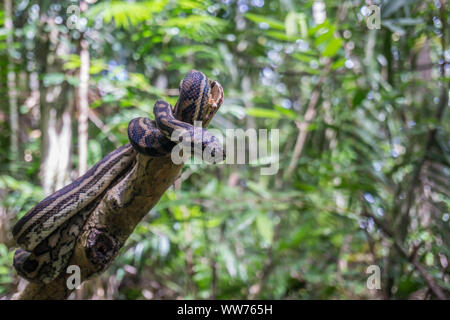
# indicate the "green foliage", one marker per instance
pixel 6 259
pixel 125 14
pixel 22 195
pixel 372 172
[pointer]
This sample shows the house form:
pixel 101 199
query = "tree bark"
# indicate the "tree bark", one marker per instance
pixel 56 107
pixel 112 222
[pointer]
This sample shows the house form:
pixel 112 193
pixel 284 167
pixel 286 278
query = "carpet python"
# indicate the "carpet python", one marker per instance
pixel 48 232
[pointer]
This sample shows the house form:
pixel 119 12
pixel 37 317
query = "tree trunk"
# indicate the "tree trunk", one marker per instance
pixel 83 107
pixel 12 97
pixel 56 105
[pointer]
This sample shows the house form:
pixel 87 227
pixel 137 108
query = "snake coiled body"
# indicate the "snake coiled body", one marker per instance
pixel 48 232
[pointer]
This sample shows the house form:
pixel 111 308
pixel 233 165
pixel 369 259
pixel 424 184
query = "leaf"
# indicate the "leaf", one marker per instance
pixel 325 36
pixel 274 24
pixel 394 6
pixel 332 47
pixel 125 14
pixel 263 113
pixel 286 112
pixel 305 57
pixel 230 260
pixel 259 189
pixel 359 96
pixel 97 65
pixel 280 35
pixel 197 27
pixel 296 24
pixel 265 227
pixel 408 21
pixel 73 62
pixel 319 28
pixel 301 235
pixel 394 28
pixel 338 64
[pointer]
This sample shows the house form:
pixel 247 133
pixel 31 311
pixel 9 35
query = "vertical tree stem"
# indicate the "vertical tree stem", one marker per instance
pixel 83 107
pixel 13 112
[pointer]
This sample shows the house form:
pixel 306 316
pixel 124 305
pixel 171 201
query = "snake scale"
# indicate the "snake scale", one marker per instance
pixel 48 232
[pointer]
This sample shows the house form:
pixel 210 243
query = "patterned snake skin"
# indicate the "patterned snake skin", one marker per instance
pixel 47 233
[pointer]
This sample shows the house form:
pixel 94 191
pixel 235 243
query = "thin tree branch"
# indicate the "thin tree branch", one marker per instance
pixel 103 127
pixel 268 266
pixel 309 117
pixel 443 102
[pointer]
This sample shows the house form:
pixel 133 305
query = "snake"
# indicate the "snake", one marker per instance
pixel 47 233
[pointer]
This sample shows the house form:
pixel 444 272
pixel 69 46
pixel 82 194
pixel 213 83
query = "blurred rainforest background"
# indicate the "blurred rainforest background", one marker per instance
pixel 359 97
